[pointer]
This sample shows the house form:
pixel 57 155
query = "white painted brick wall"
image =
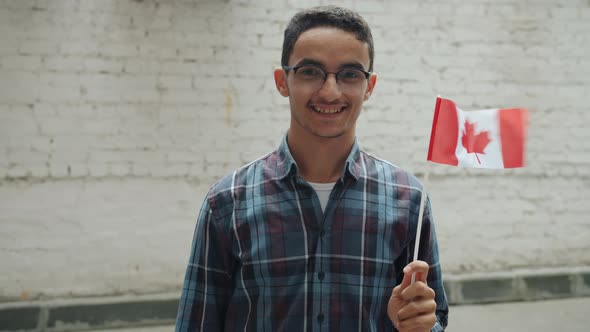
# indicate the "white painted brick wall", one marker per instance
pixel 95 92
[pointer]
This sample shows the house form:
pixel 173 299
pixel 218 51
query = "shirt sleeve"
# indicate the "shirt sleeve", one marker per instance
pixel 208 280
pixel 428 252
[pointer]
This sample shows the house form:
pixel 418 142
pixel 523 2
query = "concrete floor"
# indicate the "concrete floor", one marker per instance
pixel 567 315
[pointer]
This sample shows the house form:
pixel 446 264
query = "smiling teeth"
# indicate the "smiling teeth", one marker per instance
pixel 327 111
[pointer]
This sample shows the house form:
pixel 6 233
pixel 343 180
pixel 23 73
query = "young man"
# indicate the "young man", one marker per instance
pixel 317 235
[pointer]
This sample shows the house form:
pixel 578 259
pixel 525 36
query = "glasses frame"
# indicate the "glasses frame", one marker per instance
pixel 295 68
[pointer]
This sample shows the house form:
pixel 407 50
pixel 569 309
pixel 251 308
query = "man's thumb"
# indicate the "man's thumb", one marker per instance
pixel 407 281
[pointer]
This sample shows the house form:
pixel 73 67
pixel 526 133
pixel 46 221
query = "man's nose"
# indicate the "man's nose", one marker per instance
pixel 330 90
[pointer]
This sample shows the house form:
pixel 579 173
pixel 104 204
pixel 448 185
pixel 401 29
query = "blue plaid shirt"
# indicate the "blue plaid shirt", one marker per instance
pixel 266 258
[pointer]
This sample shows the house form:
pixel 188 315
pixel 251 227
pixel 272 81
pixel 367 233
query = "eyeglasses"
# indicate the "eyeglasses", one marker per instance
pixel 349 79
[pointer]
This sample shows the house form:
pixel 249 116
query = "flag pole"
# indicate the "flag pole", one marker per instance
pixel 420 215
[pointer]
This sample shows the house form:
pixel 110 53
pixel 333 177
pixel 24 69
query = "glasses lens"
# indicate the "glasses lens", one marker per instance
pixel 351 76
pixel 310 73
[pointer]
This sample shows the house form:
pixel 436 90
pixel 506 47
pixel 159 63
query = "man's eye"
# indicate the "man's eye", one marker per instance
pixel 310 72
pixel 350 74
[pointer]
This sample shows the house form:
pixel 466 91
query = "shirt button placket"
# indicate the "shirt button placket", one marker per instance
pixel 321 275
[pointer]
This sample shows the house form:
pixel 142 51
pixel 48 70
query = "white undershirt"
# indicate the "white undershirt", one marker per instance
pixel 323 191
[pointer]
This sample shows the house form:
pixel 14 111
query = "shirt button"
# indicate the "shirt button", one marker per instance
pixel 321 275
pixel 322 232
pixel 320 318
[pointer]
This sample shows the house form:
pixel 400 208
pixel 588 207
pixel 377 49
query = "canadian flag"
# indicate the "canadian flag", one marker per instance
pixel 493 138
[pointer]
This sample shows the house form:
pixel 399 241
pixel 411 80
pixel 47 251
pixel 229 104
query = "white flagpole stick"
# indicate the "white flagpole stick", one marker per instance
pixel 420 214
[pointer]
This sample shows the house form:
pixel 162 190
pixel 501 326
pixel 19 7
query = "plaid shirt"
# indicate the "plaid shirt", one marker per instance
pixel 266 258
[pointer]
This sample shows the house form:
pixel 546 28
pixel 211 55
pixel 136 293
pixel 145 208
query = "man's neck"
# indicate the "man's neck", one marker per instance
pixel 319 159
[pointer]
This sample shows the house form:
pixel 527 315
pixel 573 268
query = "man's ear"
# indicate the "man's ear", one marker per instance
pixel 281 81
pixel 372 80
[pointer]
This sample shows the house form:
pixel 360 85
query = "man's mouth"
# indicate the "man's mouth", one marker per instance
pixel 327 110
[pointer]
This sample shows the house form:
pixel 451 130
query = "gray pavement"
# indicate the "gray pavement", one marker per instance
pixel 567 315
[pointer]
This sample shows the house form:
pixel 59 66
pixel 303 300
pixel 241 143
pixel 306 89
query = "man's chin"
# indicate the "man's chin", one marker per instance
pixel 328 134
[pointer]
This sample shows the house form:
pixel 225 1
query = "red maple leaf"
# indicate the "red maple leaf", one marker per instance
pixel 472 142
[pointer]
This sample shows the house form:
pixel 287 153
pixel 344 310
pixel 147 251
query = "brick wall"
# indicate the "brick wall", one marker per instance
pixel 97 92
pixel 173 88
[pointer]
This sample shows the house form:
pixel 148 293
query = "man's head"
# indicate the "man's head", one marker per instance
pixel 326 16
pixel 326 72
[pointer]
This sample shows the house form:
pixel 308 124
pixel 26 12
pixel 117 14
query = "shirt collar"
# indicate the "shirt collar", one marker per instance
pixel 286 164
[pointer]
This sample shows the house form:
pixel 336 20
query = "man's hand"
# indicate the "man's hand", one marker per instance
pixel 411 307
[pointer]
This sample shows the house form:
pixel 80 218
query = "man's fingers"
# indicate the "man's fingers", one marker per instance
pixel 407 281
pixel 416 276
pixel 420 268
pixel 416 308
pixel 417 290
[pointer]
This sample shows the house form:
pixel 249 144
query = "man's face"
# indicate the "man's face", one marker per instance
pixel 330 109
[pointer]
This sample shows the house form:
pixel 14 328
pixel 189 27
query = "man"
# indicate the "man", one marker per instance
pixel 315 235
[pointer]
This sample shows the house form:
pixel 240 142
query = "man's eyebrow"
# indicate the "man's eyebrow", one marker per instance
pixel 308 61
pixel 354 64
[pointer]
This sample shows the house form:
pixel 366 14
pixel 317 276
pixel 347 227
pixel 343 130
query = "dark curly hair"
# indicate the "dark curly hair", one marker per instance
pixel 326 16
